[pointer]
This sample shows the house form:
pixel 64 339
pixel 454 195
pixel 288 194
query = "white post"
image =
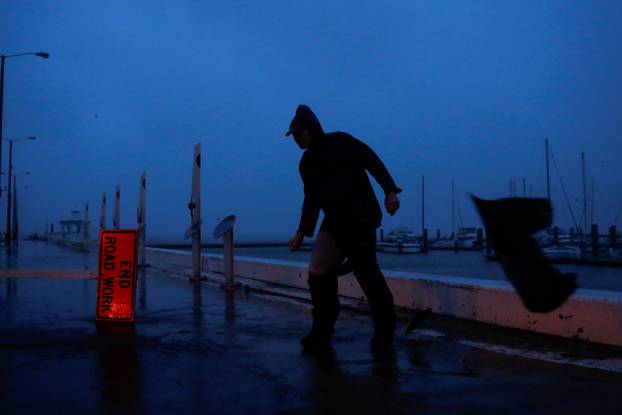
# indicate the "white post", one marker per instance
pixel 102 213
pixel 142 220
pixel 225 230
pixel 195 212
pixel 228 258
pixel 116 217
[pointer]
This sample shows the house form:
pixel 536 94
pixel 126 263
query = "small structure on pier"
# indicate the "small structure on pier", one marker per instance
pixel 74 225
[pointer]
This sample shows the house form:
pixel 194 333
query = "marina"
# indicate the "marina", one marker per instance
pixel 448 263
pixel 180 181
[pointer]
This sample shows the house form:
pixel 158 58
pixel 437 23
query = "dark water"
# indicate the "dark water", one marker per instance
pixel 462 264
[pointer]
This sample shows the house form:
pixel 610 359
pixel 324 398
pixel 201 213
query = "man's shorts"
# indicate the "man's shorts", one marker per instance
pixel 325 256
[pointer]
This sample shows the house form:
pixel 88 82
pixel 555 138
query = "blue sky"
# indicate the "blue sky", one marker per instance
pixel 455 90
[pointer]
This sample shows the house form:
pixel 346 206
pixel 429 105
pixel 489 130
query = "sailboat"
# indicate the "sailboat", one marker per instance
pixel 462 238
pixel 403 240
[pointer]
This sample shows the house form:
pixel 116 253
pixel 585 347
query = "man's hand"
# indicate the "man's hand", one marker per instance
pixel 391 203
pixel 296 241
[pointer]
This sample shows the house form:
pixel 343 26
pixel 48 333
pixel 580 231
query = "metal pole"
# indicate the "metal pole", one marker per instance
pixel 592 203
pixel 228 257
pixel 195 209
pixel 7 236
pixel 142 220
pixel 116 217
pixel 453 224
pixel 548 180
pixel 15 224
pixel 422 203
pixel 584 194
pixel 102 213
pixel 2 57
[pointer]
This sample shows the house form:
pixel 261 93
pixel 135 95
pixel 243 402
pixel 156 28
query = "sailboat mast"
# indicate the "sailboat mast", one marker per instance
pixel 592 201
pixel 548 177
pixel 584 193
pixel 422 204
pixel 453 223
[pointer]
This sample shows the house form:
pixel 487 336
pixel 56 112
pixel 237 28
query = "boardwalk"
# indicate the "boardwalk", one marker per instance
pixel 197 349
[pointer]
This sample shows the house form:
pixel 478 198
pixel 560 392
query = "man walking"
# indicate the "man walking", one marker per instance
pixel 333 169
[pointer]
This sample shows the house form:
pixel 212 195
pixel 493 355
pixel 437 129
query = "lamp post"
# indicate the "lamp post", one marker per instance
pixel 7 235
pixel 15 222
pixel 43 55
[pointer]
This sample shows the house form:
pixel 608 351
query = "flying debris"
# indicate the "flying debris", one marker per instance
pixel 509 224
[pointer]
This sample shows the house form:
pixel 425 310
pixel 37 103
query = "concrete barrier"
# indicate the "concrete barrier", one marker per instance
pixel 589 315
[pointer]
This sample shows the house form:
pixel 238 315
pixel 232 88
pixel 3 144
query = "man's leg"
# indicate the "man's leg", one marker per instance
pixel 359 245
pixel 325 259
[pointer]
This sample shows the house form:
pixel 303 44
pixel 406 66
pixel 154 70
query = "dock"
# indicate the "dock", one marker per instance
pixel 197 348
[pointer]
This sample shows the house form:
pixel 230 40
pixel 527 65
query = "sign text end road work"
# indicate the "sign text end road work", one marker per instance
pixel 116 285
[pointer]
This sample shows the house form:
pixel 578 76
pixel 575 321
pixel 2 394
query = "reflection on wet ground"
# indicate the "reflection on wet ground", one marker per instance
pixel 30 254
pixel 196 348
pixel 119 372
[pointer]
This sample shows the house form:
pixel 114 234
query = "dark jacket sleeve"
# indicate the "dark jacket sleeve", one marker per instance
pixel 310 207
pixel 372 163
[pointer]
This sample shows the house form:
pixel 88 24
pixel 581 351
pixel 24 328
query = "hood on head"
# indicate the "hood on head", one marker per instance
pixel 305 118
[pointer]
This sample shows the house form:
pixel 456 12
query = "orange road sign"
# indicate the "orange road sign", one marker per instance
pixel 116 285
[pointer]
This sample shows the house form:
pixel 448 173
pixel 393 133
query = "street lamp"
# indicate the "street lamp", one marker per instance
pixel 7 235
pixel 15 222
pixel 43 55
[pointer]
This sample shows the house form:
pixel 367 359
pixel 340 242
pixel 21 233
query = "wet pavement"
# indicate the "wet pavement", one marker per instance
pixel 196 348
pixel 30 254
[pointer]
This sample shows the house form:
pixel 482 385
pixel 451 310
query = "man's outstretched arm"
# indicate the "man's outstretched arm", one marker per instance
pixel 372 163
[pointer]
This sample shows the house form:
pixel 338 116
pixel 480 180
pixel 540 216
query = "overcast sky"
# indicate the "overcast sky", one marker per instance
pixel 455 90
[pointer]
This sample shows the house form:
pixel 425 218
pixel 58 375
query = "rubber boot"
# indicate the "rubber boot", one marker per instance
pixel 326 307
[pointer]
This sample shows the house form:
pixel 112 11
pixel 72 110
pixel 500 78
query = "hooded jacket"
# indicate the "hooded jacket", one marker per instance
pixel 334 173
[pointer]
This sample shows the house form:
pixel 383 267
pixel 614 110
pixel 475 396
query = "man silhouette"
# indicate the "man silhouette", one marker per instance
pixel 334 170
